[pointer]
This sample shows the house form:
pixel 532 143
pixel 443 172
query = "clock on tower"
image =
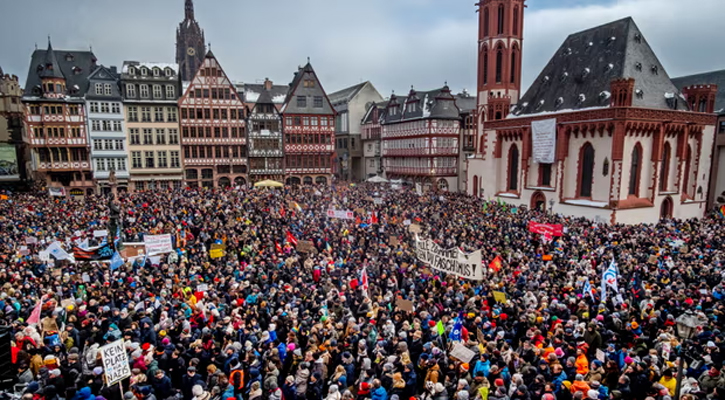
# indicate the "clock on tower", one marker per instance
pixel 190 47
pixel 190 51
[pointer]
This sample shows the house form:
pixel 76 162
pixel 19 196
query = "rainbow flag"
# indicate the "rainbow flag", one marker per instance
pixel 721 210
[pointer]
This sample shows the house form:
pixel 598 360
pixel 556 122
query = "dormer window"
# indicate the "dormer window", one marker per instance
pixel 69 57
pixel 157 72
pixel 144 71
pixel 168 72
pixel 412 106
pixel 393 110
pixel 132 71
pixel 77 70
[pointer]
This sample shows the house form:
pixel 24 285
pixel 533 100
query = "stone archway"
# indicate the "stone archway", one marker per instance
pixel 239 181
pixel 224 182
pixel 321 180
pixel 538 201
pixel 666 208
pixel 293 180
pixel 307 180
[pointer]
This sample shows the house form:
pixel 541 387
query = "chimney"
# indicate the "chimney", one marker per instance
pixel 267 84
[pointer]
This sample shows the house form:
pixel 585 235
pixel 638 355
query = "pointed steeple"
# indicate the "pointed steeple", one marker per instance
pixel 51 68
pixel 189 10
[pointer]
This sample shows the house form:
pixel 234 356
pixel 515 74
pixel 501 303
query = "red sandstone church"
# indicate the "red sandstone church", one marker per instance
pixel 602 132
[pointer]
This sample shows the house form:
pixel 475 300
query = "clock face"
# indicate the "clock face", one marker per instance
pixel 190 51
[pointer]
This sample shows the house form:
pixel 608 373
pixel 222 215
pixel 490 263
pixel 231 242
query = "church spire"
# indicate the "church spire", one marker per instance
pixel 189 10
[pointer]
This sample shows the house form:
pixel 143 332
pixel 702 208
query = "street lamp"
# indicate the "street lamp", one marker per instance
pixel 686 327
pixel 551 206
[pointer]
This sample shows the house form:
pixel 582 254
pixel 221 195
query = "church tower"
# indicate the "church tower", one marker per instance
pixel 190 48
pixel 500 37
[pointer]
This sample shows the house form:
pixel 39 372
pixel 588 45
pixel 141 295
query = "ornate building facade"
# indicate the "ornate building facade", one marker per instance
pixel 602 133
pixel 106 127
pixel 55 123
pixel 264 126
pixel 190 44
pixel 13 156
pixel 213 129
pixel 371 129
pixel 420 135
pixel 309 130
pixel 150 96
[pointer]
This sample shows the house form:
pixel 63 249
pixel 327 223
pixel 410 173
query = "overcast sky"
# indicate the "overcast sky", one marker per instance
pixel 393 43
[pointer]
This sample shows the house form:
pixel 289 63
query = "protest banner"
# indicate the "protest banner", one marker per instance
pixel 405 305
pixel 340 214
pixel 452 261
pixel 500 297
pixel 305 246
pixel 115 362
pixel 462 353
pixel 100 233
pixel 546 229
pixel 158 244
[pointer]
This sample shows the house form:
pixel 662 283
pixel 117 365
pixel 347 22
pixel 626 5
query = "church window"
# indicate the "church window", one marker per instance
pixel 665 167
pixel 500 19
pixel 635 170
pixel 586 170
pixel 485 22
pixel 499 63
pixel 513 178
pixel 485 66
pixel 516 21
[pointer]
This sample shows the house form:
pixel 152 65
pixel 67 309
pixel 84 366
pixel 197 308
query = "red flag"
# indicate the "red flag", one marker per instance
pixel 291 238
pixel 374 218
pixel 495 264
pixel 364 281
pixel 35 315
pixel 281 212
pixel 278 247
pixel 358 221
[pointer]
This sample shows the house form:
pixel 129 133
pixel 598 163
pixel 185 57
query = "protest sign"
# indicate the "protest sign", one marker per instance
pixel 158 244
pixel 31 240
pixel 405 305
pixel 216 253
pixel 546 229
pixel 414 228
pixel 340 214
pixel 393 240
pixel 452 261
pixel 202 287
pixel 462 353
pixel 100 233
pixel 378 201
pixel 115 362
pixel 305 246
pixel 500 297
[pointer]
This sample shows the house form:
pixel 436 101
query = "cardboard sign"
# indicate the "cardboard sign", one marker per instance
pixel 100 233
pixel 131 250
pixel 31 240
pixel 414 228
pixel 216 253
pixel 221 246
pixel 500 297
pixel 305 246
pixel 378 201
pixel 202 287
pixel 462 353
pixel 600 355
pixel 115 362
pixel 158 244
pixel 405 305
pixel 393 240
pixel 360 211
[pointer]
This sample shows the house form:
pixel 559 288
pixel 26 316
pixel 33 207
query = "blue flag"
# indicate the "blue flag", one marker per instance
pixel 588 289
pixel 116 261
pixel 455 334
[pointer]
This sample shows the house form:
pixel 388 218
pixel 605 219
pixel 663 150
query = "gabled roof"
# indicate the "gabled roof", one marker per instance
pixel 251 92
pixel 50 68
pixel 578 76
pixel 434 104
pixel 466 102
pixel 74 66
pixel 706 78
pixel 368 118
pixel 290 102
pixel 347 94
pixel 103 73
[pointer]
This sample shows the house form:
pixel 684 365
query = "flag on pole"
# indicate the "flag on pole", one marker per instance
pixel 291 238
pixel 34 317
pixel 364 281
pixel 610 276
pixel 495 265
pixel 588 289
pixel 116 261
pixel 277 247
pixel 440 328
pixel 282 212
pixel 328 247
pixel 455 334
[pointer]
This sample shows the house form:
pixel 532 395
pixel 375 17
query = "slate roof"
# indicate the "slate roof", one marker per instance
pixel 347 94
pixel 368 117
pixel 466 102
pixel 252 92
pixel 434 104
pixel 295 89
pixel 84 63
pixel 705 78
pixel 578 76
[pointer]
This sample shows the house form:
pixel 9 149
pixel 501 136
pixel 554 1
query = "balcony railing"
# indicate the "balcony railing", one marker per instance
pixel 265 153
pixel 422 171
pixel 421 151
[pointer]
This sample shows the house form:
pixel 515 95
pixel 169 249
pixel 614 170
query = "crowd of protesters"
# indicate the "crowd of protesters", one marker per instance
pixel 268 322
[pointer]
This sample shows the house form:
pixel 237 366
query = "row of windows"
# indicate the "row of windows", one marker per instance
pixel 317 101
pixel 218 131
pixel 292 138
pixel 258 126
pixel 265 163
pixel 106 125
pixel 308 121
pixel 213 93
pixel 156 90
pixel 211 113
pixel 54 110
pixel 56 132
pixel 423 162
pixel 499 65
pixel 114 108
pixel 264 144
pixel 62 154
pixel 157 185
pixel 145 71
pixel 158 159
pixel 214 151
pixel 500 21
pixel 107 144
pixel 158 114
pixel 305 161
pixel 149 135
pixel 110 164
pixel 103 89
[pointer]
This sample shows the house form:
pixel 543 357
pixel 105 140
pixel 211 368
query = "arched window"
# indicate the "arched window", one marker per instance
pixel 500 19
pixel 513 178
pixel 482 145
pixel 499 63
pixel 485 22
pixel 484 70
pixel 665 167
pixel 513 65
pixel 586 170
pixel 635 170
pixel 516 21
pixel 688 159
pixel 475 185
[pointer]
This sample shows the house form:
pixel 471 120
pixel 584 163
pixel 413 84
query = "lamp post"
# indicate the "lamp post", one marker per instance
pixel 686 324
pixel 551 206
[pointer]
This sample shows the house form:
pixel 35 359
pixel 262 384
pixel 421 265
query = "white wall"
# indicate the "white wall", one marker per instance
pixel 600 185
pixel 720 184
pixel 646 166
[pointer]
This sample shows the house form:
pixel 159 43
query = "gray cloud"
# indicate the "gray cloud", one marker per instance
pixel 394 44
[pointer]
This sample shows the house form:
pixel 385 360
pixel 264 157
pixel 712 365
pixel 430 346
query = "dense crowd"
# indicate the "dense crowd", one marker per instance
pixel 268 322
